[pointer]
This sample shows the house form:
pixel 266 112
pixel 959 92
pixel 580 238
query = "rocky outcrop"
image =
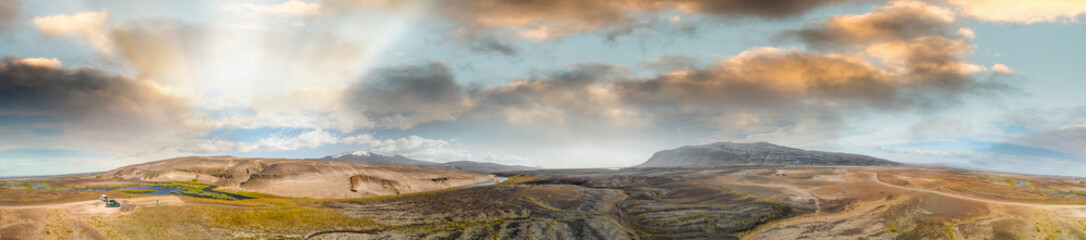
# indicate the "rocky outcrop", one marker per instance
pixel 589 204
pixel 731 154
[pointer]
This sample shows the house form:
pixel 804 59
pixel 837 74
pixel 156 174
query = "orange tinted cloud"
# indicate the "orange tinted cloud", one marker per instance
pixel 899 20
pixel 539 20
pixel 1027 12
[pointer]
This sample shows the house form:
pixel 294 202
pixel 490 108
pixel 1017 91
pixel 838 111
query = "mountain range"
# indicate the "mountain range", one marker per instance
pixel 367 157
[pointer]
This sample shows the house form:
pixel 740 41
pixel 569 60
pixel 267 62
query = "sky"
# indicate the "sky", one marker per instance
pixel 991 85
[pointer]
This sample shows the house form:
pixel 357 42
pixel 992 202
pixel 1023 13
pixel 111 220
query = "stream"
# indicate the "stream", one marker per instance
pixel 158 190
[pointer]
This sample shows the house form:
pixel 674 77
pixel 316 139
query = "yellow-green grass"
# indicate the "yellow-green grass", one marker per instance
pixel 259 195
pixel 239 203
pixel 517 179
pixel 288 220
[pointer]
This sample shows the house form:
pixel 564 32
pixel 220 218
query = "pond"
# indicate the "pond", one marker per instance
pixel 1025 185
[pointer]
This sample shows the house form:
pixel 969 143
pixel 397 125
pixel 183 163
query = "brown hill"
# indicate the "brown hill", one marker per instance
pixel 297 178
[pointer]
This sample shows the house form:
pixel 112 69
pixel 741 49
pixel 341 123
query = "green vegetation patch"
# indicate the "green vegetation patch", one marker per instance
pixel 256 195
pixel 193 188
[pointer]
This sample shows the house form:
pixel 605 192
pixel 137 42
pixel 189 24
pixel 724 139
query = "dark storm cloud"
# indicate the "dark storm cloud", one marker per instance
pixel 9 12
pixel 405 96
pixel 90 104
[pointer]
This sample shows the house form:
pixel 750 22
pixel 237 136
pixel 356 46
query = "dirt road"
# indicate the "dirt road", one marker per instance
pixel 1075 211
pixel 97 207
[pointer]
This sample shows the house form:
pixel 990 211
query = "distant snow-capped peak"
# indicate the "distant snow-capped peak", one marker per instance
pixel 361 153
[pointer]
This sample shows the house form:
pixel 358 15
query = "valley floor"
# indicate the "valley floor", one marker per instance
pixel 769 202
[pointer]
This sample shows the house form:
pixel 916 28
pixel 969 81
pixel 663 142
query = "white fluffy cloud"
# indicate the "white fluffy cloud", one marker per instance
pixel 288 8
pixel 432 150
pixel 310 139
pixel 89 27
pixel 1000 68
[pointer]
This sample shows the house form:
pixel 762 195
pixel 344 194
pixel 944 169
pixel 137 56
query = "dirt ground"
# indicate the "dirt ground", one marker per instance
pixel 787 202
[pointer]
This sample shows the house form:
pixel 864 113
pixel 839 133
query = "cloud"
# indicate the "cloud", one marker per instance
pixel 86 108
pixel 337 118
pixel 89 27
pixel 9 13
pixel 309 139
pixel 1024 12
pixel 903 58
pixel 224 67
pixel 966 33
pixel 162 50
pixel 39 62
pixel 576 96
pixel 1060 129
pixel 669 63
pixel 1047 118
pixel 776 88
pixel 288 8
pixel 405 96
pixel 207 146
pixel 436 150
pixel 928 58
pixel 491 44
pixel 1002 69
pixel 992 156
pixel 547 20
pixel 899 20
pixel 412 146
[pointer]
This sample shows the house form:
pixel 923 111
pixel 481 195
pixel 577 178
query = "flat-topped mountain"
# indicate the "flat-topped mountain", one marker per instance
pixel 463 166
pixel 297 178
pixel 760 153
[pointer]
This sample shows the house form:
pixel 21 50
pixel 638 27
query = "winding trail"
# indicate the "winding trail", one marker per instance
pixel 1075 211
pixel 12 224
pixel 96 207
